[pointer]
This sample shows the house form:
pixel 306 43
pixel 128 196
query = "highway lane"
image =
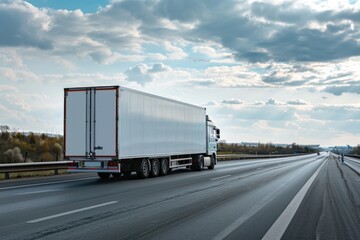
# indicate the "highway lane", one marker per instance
pixel 331 209
pixel 239 199
pixel 353 163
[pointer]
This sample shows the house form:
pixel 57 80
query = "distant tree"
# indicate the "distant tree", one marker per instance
pixel 357 150
pixel 46 156
pixel 4 131
pixel 58 150
pixel 14 155
pixel 4 128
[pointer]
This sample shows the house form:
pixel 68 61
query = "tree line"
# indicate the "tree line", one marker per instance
pixel 16 147
pixel 356 150
pixel 261 148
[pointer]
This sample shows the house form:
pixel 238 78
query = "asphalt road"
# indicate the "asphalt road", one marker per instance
pixel 305 197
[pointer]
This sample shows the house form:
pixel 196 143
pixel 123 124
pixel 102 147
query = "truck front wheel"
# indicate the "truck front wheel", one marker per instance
pixel 103 175
pixel 155 168
pixel 212 162
pixel 144 171
pixel 198 163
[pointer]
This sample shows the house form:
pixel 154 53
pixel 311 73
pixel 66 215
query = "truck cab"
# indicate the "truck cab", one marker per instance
pixel 213 135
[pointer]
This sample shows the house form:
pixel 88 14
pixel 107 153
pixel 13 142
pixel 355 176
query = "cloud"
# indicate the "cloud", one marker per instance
pixel 339 90
pixel 257 33
pixel 159 67
pixel 7 89
pixel 16 75
pixel 143 74
pixel 336 113
pixel 272 101
pixel 23 25
pixel 211 103
pixel 232 101
pixel 297 102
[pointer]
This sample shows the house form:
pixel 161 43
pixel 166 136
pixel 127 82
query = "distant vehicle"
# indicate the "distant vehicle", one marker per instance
pixel 116 130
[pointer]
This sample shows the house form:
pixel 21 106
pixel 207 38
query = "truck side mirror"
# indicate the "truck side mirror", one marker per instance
pixel 217 133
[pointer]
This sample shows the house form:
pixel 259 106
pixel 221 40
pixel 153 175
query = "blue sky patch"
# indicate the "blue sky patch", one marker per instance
pixel 86 6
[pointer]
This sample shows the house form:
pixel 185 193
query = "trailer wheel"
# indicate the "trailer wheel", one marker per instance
pixel 155 168
pixel 163 167
pixel 103 175
pixel 212 164
pixel 144 169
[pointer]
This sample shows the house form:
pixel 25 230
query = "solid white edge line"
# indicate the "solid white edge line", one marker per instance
pixel 49 183
pixel 220 177
pixel 280 225
pixel 70 212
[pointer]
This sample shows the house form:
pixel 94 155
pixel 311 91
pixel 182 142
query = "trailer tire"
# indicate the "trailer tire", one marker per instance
pixel 103 175
pixel 213 161
pixel 155 168
pixel 164 167
pixel 144 171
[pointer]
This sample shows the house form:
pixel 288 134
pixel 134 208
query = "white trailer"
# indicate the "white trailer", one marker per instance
pixel 116 130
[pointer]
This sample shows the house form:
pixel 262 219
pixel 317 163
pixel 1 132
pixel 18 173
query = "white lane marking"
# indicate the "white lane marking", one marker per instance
pixel 220 177
pixel 42 184
pixel 41 191
pixel 70 212
pixel 278 228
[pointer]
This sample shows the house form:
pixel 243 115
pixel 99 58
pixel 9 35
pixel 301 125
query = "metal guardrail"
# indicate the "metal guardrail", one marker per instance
pixel 32 167
pixel 55 166
pixel 352 155
pixel 223 157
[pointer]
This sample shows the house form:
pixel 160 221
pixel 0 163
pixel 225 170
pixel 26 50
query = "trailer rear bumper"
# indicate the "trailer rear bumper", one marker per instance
pixel 82 170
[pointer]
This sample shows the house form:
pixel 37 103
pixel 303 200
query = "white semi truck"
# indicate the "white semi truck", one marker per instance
pixel 114 130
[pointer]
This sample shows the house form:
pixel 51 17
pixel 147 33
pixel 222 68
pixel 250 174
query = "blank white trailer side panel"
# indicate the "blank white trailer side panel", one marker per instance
pixel 152 126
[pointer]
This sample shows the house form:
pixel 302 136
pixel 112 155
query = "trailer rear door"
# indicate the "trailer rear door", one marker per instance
pixel 90 122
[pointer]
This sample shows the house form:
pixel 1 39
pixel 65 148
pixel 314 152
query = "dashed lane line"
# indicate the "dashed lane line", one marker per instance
pixel 70 212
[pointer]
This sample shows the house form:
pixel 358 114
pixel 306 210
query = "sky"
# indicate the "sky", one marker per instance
pixel 266 71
